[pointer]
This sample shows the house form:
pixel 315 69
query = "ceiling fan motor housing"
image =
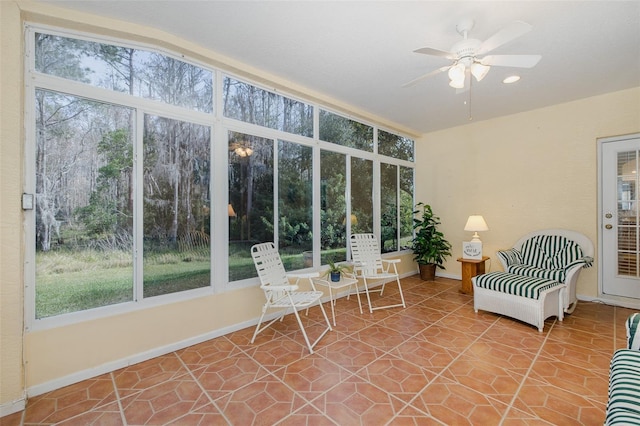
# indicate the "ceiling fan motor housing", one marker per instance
pixel 465 50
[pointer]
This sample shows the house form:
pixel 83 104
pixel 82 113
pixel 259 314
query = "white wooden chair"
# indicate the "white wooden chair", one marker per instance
pixel 368 265
pixel 280 293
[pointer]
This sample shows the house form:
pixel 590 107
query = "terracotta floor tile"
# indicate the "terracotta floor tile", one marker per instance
pixel 435 362
pixel 164 402
pixel 453 403
pixel 70 401
pixel 397 377
pixel 356 401
pixel 145 375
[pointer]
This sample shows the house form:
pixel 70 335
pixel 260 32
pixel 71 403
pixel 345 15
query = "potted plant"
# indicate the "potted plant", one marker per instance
pixel 430 248
pixel 335 271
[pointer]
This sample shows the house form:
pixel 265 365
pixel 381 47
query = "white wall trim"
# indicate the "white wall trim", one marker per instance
pixel 134 359
pixel 13 406
pixel 622 302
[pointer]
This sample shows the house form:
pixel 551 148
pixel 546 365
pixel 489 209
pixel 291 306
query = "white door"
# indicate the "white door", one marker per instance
pixel 620 216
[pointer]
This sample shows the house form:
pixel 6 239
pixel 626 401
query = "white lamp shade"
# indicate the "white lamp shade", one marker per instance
pixel 476 223
pixel 232 213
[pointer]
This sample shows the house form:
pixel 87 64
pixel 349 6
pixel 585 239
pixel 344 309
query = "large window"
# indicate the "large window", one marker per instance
pixel 136 194
pixel 176 212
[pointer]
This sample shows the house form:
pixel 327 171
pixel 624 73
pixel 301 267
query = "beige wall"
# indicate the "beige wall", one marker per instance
pixel 523 172
pixel 11 239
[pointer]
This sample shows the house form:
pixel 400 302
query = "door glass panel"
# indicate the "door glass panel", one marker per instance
pixel 176 206
pixel 627 213
pixel 84 204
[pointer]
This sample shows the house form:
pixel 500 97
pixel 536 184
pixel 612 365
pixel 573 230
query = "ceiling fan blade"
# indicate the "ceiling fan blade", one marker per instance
pixel 435 52
pixel 517 61
pixel 505 35
pixel 422 77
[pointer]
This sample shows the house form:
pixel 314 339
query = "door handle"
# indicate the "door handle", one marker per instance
pixel 608 226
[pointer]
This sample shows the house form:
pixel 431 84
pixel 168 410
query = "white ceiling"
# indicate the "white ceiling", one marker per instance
pixel 361 52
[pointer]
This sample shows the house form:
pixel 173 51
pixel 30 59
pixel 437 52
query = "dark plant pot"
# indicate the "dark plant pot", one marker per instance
pixel 427 271
pixel 335 277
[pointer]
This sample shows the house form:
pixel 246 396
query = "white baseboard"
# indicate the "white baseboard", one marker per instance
pixel 134 359
pixel 13 406
pixel 612 300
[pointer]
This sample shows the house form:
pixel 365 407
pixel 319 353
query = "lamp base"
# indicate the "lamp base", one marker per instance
pixel 472 250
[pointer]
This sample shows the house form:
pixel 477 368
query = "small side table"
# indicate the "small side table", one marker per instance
pixel 471 268
pixel 346 280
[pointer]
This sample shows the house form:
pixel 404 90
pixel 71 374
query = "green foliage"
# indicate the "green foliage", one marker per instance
pixel 429 244
pixel 336 268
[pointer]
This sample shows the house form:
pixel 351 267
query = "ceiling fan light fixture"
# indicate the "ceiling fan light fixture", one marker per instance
pixel 456 72
pixel 457 84
pixel 479 71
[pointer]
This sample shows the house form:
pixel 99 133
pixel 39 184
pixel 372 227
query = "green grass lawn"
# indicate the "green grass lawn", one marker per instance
pixel 79 280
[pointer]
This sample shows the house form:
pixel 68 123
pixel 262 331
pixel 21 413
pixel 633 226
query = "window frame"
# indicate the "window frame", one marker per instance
pixel 220 127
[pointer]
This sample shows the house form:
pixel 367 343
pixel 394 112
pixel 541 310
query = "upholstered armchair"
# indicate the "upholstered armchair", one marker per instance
pixel 553 254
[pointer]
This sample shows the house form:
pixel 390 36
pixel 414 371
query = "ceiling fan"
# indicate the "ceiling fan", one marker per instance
pixel 468 55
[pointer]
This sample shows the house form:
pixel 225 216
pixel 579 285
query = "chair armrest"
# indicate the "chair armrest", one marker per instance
pixel 509 257
pixel 293 287
pixel 586 262
pixel 303 276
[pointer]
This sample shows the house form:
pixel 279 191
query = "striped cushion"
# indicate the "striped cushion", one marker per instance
pixel 623 406
pixel 517 285
pixel 633 337
pixel 531 271
pixel 550 251
pixel 510 257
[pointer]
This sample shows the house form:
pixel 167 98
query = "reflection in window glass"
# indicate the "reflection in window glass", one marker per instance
pixel 395 146
pixel 388 207
pixel 406 207
pixel 295 238
pixel 84 204
pixel 343 131
pixel 137 72
pixel 361 196
pixel 176 206
pixel 251 104
pixel 250 200
pixel 333 207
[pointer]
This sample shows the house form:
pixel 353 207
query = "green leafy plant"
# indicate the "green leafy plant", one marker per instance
pixel 337 269
pixel 429 245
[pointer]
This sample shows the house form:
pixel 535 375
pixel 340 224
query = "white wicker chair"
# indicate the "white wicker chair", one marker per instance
pixel 280 293
pixel 369 265
pixel 572 271
pixel 539 278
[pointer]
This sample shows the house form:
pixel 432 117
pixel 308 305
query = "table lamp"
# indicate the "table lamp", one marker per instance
pixel 476 223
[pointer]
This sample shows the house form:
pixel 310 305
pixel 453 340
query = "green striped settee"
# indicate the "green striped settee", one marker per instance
pixel 539 278
pixel 623 407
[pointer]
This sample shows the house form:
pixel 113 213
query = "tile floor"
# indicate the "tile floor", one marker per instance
pixel 435 362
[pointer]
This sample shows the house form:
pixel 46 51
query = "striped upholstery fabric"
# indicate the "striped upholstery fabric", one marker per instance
pixel 633 337
pixel 531 271
pixel 623 407
pixel 510 257
pixel 550 252
pixel 505 282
